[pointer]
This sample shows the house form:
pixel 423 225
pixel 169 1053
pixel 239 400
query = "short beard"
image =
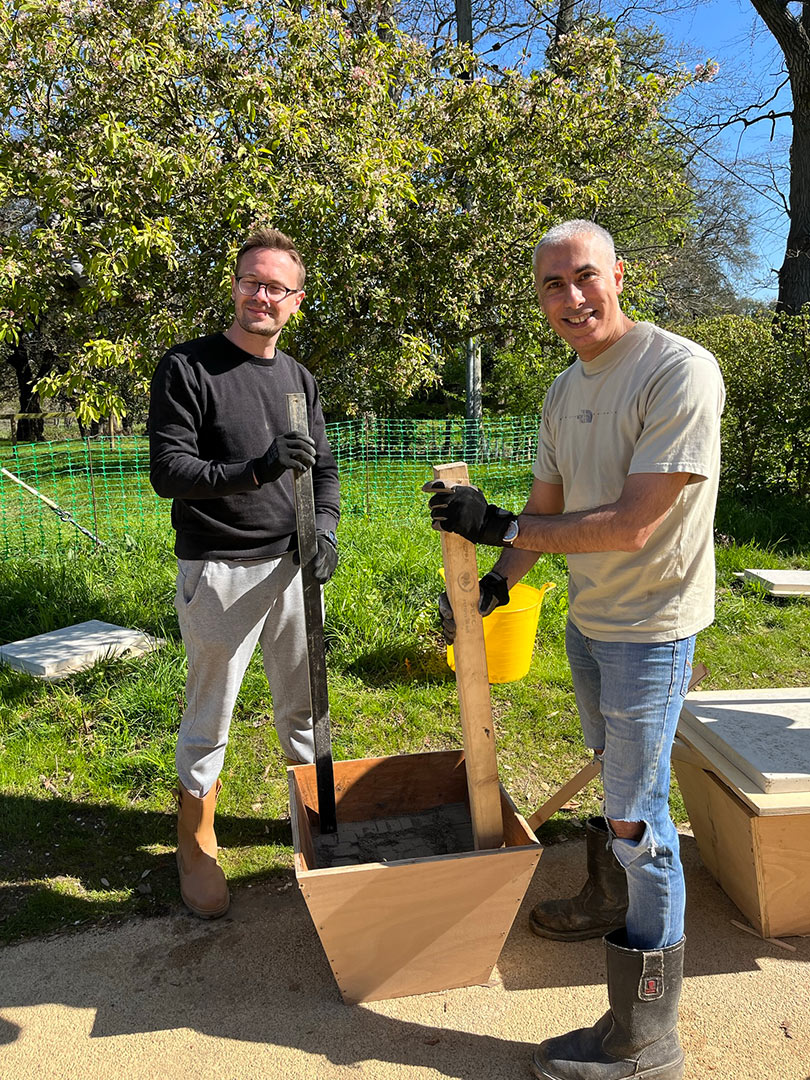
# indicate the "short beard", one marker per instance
pixel 261 330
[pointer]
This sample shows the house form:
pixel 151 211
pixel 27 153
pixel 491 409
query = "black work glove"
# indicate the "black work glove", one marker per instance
pixel 493 592
pixel 326 557
pixel 464 510
pixel 293 450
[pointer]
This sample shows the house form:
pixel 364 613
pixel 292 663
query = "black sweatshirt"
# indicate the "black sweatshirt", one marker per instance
pixel 213 409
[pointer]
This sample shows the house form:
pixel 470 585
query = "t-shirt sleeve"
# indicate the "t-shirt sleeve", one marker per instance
pixel 680 417
pixel 545 463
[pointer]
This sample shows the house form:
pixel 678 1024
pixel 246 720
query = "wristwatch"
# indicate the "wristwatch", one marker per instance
pixel 511 534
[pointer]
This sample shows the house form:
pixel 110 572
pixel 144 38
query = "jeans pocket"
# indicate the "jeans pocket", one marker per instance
pixel 687 667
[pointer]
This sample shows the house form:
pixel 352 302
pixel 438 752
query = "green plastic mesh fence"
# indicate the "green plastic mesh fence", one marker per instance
pixel 103 483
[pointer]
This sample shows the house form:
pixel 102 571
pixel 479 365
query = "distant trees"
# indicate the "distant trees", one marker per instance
pixel 143 141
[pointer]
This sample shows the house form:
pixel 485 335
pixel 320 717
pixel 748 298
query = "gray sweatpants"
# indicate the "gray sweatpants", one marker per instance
pixel 225 607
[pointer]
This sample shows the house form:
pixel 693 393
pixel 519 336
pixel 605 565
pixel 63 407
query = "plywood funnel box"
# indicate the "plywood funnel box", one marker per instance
pixel 417 890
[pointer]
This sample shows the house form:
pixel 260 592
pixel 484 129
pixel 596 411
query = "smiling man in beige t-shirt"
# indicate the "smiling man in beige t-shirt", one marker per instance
pixel 625 485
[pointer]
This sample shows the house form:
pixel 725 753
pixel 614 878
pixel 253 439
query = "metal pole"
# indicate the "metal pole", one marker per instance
pixel 313 618
pixel 464 36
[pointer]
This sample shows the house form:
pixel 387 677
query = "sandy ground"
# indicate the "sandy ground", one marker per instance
pixel 252 996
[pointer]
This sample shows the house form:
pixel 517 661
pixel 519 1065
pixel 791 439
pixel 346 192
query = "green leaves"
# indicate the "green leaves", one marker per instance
pixel 145 140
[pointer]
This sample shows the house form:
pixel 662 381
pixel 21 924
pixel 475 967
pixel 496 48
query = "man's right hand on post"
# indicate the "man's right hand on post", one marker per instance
pixel 293 450
pixel 493 592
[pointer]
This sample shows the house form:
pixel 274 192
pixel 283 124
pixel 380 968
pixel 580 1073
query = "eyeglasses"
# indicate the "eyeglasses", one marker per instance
pixel 249 286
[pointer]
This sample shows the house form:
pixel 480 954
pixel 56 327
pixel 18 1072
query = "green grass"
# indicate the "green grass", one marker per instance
pixel 86 764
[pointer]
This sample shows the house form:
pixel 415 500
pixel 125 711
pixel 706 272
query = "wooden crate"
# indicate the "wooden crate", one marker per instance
pixel 755 845
pixel 415 925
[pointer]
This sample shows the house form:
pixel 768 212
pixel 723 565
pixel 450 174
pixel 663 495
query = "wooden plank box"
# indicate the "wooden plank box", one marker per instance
pixel 390 929
pixel 758 854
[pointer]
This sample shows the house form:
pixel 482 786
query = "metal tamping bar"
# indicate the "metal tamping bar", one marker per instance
pixel 313 616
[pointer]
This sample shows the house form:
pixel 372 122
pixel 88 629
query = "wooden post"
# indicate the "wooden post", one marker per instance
pixel 313 616
pixel 561 797
pixel 461 578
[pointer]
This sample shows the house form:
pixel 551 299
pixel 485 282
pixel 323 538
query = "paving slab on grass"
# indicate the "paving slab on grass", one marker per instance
pixel 782 582
pixel 764 733
pixel 74 648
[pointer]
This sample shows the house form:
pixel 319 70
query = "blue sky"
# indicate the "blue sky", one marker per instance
pixel 732 33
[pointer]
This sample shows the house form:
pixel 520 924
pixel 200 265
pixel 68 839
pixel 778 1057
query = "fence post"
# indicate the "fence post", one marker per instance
pixel 92 485
pixel 366 439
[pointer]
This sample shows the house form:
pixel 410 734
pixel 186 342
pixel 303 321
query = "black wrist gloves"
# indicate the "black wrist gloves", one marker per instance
pixel 465 510
pixel 326 557
pixel 493 592
pixel 293 450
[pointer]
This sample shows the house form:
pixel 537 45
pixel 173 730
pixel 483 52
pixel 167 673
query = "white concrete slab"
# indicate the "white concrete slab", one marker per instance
pixel 764 733
pixel 782 582
pixel 75 648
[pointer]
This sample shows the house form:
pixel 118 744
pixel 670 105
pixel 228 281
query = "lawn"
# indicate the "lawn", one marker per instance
pixel 86 764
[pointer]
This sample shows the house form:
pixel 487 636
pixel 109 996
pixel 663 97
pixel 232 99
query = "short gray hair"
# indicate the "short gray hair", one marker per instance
pixel 567 230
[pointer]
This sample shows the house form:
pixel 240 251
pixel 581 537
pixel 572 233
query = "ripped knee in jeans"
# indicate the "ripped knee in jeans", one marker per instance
pixel 627 830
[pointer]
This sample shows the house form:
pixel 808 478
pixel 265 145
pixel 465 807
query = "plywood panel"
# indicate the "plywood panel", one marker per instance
pixel 516 830
pixel 304 852
pixel 417 926
pixel 414 925
pixel 784 865
pixel 723 831
pixel 369 788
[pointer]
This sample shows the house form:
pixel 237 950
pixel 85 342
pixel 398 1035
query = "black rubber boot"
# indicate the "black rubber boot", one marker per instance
pixel 601 905
pixel 637 1037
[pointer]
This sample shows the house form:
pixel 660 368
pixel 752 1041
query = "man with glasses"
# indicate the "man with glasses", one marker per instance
pixel 625 485
pixel 222 450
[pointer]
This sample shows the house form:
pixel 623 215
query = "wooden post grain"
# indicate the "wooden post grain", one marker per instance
pixel 561 797
pixel 461 578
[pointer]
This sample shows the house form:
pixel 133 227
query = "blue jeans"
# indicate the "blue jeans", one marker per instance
pixel 629 696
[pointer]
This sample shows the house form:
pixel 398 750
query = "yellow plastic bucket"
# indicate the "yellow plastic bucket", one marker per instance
pixel 509 633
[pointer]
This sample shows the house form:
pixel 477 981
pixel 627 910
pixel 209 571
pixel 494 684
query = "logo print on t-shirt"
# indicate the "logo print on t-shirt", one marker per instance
pixel 585 416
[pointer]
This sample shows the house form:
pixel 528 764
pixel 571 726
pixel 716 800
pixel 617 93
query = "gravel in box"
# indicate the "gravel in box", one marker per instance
pixel 444 830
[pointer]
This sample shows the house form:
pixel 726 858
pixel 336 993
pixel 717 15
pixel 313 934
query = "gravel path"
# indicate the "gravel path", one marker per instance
pixel 251 996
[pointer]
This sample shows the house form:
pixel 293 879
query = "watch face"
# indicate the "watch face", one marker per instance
pixel 512 530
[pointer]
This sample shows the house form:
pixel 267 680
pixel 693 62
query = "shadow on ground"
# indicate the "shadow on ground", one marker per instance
pixel 61 840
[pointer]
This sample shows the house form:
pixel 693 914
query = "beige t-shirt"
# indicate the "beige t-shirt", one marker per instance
pixel 651 403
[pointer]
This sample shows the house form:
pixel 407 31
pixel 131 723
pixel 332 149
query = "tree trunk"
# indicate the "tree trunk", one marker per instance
pixel 794 274
pixel 464 34
pixel 28 429
pixel 563 24
pixel 565 20
pixel 793 36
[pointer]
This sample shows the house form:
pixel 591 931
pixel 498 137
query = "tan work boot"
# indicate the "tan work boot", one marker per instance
pixel 202 882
